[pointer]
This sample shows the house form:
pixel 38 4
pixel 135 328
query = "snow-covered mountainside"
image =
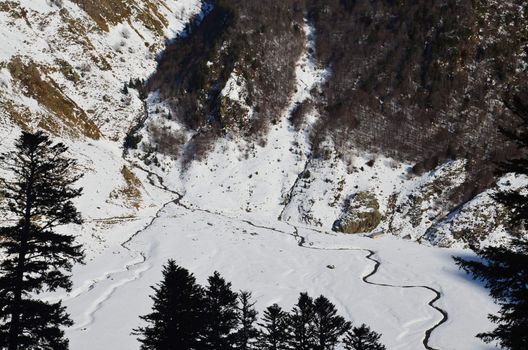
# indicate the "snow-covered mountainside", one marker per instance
pixel 63 66
pixel 75 69
pixel 279 213
pixel 282 175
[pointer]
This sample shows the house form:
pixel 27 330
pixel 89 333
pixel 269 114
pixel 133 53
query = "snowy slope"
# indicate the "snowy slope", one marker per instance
pixel 205 215
pixel 61 72
pixel 86 64
pixel 282 178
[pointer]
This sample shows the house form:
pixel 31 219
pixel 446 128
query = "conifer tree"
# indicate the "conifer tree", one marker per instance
pixel 505 274
pixel 301 323
pixel 516 201
pixel 36 258
pixel 362 338
pixel 328 326
pixel 247 316
pixel 505 270
pixel 176 319
pixel 274 334
pixel 221 315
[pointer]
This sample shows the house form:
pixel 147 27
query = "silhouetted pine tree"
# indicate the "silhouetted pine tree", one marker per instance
pixel 177 317
pixel 517 201
pixel 505 273
pixel 35 257
pixel 221 315
pixel 301 323
pixel 505 270
pixel 328 326
pixel 362 338
pixel 247 334
pixel 274 334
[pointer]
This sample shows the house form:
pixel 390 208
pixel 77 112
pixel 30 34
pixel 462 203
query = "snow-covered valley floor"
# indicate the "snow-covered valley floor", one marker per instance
pixel 276 261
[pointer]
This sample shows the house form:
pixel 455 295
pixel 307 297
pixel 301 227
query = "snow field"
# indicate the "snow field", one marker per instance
pixel 270 263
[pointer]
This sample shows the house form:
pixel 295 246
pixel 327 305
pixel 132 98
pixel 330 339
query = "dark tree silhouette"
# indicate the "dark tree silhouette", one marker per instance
pixel 516 200
pixel 505 269
pixel 247 334
pixel 362 338
pixel 301 322
pixel 274 334
pixel 186 316
pixel 221 315
pixel 177 317
pixel 36 258
pixel 328 326
pixel 505 273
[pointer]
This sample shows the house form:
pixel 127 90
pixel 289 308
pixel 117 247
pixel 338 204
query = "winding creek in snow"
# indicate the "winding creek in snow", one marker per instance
pixel 277 260
pixel 377 265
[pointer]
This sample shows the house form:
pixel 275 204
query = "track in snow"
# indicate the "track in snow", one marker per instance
pixel 135 266
pixel 301 242
pixel 377 264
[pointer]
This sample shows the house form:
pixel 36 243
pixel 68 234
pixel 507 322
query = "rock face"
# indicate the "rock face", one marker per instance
pixel 361 215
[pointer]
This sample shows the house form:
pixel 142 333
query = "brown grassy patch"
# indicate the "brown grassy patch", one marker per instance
pixel 74 31
pixel 135 29
pixel 130 191
pixel 111 12
pixel 18 114
pixel 67 70
pixel 152 19
pixel 105 12
pixel 15 10
pixel 65 114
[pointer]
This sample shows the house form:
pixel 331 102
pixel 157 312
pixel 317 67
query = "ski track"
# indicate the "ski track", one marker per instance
pixel 135 265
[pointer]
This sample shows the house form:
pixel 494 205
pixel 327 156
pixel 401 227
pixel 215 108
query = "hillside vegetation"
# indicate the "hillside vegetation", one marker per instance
pixel 424 83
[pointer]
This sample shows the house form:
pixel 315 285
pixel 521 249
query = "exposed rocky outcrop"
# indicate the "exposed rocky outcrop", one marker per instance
pixel 361 214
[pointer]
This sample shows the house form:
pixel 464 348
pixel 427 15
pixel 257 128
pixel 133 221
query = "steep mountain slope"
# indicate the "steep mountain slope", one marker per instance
pixel 423 79
pixel 63 69
pixel 427 93
pixel 248 85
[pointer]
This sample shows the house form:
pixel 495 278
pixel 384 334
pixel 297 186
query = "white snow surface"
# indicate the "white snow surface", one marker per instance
pixel 112 290
pixel 46 33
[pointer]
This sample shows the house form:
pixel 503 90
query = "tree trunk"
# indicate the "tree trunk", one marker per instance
pixel 14 328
